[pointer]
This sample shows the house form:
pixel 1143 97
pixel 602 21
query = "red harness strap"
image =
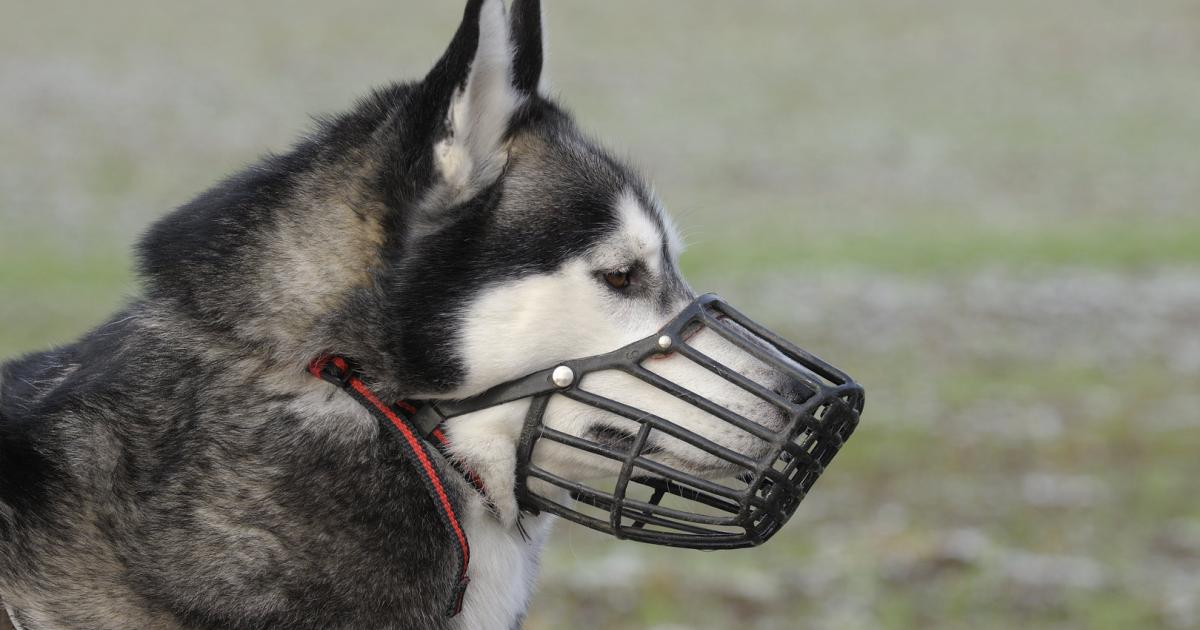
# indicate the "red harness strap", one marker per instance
pixel 397 418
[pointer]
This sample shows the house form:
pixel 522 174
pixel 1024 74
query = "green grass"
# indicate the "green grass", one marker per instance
pixel 50 292
pixel 926 246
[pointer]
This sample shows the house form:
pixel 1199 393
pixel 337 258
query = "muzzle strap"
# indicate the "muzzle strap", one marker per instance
pixel 398 419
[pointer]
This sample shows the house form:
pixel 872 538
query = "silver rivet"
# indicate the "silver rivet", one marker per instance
pixel 562 376
pixel 665 342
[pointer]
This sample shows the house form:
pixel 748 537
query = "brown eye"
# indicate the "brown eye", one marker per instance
pixel 617 279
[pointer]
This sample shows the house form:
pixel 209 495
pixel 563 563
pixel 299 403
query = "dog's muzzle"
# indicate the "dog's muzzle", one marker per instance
pixel 651 501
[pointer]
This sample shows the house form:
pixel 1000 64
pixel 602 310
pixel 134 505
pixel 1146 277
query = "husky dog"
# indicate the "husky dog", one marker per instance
pixel 177 467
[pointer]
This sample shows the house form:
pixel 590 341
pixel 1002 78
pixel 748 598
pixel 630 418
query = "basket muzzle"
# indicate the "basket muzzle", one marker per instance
pixel 652 501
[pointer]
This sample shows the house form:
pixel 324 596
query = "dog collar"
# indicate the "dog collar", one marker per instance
pixel 398 418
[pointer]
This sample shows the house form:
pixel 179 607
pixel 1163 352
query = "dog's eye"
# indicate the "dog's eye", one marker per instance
pixel 619 279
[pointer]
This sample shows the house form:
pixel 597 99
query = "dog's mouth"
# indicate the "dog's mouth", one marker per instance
pixel 624 442
pixel 619 439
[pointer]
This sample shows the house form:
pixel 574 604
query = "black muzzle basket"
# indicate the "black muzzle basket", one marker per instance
pixel 653 502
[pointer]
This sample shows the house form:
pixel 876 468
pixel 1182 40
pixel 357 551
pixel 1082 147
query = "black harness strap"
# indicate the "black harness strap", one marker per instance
pixel 398 419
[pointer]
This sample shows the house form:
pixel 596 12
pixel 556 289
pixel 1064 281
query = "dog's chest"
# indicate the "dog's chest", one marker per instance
pixel 503 572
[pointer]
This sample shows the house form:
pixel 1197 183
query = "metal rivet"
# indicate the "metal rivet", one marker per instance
pixel 562 376
pixel 665 342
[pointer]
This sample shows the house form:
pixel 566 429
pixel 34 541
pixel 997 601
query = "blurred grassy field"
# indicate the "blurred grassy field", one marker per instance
pixel 987 211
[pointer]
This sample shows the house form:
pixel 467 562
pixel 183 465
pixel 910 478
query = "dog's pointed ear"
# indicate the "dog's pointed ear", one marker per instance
pixel 528 45
pixel 472 94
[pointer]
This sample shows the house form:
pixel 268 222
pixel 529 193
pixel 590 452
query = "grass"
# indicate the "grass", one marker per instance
pixel 928 246
pixel 985 211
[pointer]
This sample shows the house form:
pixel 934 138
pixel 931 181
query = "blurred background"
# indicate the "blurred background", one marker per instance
pixel 986 211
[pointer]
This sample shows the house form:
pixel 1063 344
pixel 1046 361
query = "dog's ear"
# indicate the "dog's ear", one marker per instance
pixel 472 95
pixel 528 43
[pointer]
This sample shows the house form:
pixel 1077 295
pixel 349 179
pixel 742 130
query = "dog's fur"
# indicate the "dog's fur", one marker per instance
pixel 178 468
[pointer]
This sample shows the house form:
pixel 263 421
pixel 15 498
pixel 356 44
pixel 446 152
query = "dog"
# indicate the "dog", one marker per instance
pixel 180 467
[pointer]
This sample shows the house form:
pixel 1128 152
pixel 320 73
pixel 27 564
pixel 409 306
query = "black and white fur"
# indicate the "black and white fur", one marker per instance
pixel 177 467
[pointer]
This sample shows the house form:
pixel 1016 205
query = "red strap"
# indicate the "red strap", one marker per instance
pixel 337 370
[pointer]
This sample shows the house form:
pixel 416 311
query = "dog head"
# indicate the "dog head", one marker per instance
pixel 450 235
pixel 531 245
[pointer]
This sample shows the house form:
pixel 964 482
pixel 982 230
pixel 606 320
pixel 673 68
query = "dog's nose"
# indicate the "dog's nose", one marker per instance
pixel 794 391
